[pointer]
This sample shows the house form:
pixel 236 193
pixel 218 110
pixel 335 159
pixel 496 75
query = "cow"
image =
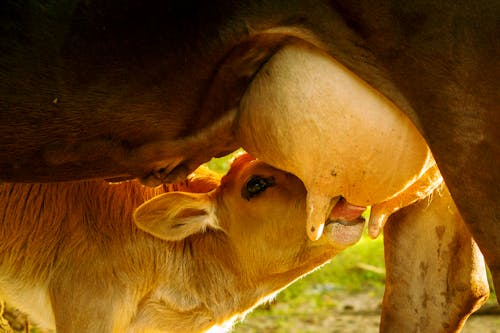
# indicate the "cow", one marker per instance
pixel 77 258
pixel 151 90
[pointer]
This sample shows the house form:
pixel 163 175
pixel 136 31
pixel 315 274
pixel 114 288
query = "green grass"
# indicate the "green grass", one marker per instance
pixel 343 274
pixel 222 164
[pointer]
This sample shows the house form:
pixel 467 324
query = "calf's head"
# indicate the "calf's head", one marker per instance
pixel 258 213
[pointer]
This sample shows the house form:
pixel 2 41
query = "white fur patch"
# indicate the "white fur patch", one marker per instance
pixel 34 300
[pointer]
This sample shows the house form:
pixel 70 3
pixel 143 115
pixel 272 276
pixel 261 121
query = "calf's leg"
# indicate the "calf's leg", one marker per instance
pixel 88 303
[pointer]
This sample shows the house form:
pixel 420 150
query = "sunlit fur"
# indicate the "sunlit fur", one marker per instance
pixel 73 259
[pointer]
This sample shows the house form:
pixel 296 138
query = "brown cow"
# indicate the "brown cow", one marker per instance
pixel 126 88
pixel 152 89
pixel 72 257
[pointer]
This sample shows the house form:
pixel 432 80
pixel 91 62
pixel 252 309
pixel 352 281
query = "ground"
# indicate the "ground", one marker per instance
pixel 358 312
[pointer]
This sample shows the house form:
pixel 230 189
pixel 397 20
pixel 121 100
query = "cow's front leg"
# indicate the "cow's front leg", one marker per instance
pixel 436 274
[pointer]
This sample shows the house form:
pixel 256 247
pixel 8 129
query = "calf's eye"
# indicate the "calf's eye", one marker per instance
pixel 255 186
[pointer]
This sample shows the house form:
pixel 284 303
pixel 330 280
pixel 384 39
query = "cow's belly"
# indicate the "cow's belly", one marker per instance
pixel 34 300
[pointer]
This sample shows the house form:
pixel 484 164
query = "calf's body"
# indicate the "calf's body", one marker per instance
pixel 73 258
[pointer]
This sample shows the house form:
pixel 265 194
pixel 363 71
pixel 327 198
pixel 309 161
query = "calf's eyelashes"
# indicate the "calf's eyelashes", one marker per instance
pixel 256 185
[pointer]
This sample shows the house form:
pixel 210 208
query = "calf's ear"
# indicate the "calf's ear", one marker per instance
pixel 177 215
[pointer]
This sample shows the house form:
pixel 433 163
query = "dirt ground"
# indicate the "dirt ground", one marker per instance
pixel 358 313
pixel 351 323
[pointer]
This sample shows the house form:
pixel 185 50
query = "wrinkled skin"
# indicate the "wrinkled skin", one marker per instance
pixel 92 90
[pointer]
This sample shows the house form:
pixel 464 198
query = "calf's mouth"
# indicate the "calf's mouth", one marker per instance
pixel 345 224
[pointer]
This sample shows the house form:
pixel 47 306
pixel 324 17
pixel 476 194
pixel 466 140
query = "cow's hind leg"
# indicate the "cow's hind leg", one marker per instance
pixel 436 275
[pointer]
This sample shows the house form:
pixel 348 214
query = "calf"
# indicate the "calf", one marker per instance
pixel 72 257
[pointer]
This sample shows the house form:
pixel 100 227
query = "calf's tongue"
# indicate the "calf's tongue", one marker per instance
pixel 344 227
pixel 345 211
